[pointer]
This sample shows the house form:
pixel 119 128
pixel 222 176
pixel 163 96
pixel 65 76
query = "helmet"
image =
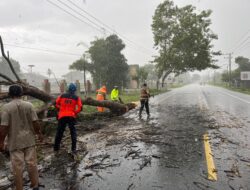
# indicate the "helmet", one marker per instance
pixel 72 88
pixel 15 90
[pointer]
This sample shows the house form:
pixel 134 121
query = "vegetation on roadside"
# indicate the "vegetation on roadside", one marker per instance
pixel 225 85
pixel 174 29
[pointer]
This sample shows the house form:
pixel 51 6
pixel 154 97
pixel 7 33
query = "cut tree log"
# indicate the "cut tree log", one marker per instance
pixel 114 107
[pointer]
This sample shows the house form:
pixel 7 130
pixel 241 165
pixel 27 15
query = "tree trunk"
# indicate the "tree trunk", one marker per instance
pixel 164 77
pixel 115 108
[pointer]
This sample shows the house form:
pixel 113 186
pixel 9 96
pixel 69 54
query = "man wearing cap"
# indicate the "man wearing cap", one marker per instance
pixel 19 123
pixel 69 106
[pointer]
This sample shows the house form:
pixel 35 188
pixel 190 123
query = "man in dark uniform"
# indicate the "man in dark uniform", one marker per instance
pixel 69 106
pixel 145 95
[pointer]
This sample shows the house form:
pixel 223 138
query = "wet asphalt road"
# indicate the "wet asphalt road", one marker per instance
pixel 165 151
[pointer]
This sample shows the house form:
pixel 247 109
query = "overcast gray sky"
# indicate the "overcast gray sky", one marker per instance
pixel 39 24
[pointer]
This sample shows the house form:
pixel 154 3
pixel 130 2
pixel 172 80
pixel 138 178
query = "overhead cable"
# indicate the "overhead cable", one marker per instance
pixel 96 26
pixel 106 26
pixel 43 50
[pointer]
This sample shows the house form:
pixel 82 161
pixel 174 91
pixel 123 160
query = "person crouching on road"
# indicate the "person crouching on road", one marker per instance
pixel 100 96
pixel 20 123
pixel 115 95
pixel 145 95
pixel 69 106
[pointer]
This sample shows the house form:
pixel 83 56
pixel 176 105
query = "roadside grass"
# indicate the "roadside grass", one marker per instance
pixel 36 103
pixel 241 90
pixel 89 109
pixel 128 97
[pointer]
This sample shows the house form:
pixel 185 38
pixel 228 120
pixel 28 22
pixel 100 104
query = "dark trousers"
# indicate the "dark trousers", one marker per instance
pixel 62 123
pixel 144 102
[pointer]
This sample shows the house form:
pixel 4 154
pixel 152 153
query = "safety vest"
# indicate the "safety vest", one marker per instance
pixel 69 105
pixel 115 94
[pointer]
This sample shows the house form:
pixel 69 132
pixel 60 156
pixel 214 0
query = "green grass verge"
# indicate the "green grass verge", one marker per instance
pixel 241 90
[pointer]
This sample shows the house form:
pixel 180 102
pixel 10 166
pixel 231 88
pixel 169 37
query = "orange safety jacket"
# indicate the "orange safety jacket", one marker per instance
pixel 101 93
pixel 69 105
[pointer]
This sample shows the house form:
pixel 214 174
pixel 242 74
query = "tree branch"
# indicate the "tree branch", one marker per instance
pixel 6 78
pixel 165 76
pixel 5 83
pixel 4 95
pixel 7 59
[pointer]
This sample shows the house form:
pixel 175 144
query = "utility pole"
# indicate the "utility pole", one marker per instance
pixel 84 74
pixel 230 71
pixel 214 77
pixel 31 66
pixel 229 68
pixel 84 58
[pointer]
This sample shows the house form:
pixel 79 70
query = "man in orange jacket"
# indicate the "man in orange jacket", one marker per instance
pixel 69 106
pixel 101 95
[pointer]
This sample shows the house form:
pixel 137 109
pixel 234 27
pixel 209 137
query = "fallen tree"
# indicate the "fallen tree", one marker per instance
pixel 28 90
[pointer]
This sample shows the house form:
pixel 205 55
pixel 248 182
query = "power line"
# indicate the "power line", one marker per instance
pixel 99 29
pixel 96 19
pixel 43 50
pixel 54 4
pixel 242 44
pixel 107 27
pixel 80 14
pixel 239 43
pixel 246 45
